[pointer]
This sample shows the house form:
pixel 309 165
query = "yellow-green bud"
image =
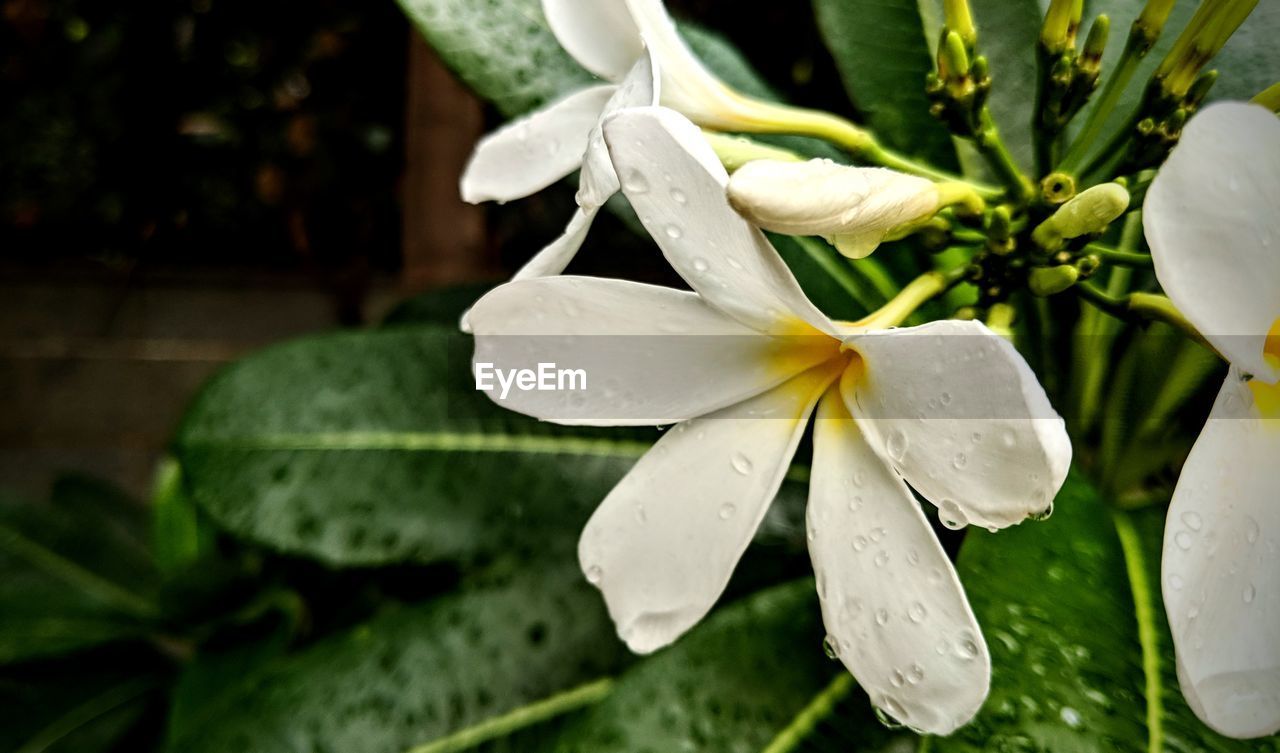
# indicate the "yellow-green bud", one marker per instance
pixel 1200 89
pixel 1269 97
pixel 1096 42
pixel 1047 281
pixel 1090 212
pixel 960 20
pixel 1153 16
pixel 955 56
pixel 1056 34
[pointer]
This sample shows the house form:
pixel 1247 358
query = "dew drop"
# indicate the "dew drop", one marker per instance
pixel 1175 582
pixel 859 543
pixel 855 504
pixel 1249 593
pixel 877 534
pixel 976 437
pixel 1183 540
pixel 1251 530
pixel 1192 520
pixel 882 617
pixel 966 649
pixel 741 463
pixel 1071 717
pixel 897 679
pixel 959 461
pixel 700 265
pixel 889 711
pixel 641 515
pixel 952 516
pixel 636 183
pixel 830 647
pixel 727 510
pixel 916 612
pixel 594 574
pixel 882 558
pixel 674 232
pixel 897 445
pixel 678 197
pixel 1008 438
pixel 945 398
pixel 915 674
pixel 553 148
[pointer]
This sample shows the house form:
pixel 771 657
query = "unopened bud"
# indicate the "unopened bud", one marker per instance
pixel 1095 43
pixel 952 58
pixel 960 20
pixel 1153 16
pixel 736 151
pixel 1055 33
pixel 1200 89
pixel 1090 212
pixel 856 208
pixel 1047 281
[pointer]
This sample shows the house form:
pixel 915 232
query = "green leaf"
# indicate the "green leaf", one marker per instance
pixel 1082 656
pixel 742 679
pixel 503 49
pixel 367 448
pixel 418 674
pixel 882 53
pixel 72 573
pixel 374 447
pixel 88 704
pixel 1007 34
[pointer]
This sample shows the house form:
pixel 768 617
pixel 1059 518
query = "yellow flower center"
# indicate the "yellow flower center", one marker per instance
pixel 1271 347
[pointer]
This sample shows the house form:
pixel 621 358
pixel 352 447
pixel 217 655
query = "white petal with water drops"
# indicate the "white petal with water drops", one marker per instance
pixel 529 154
pixel 599 180
pixel 887 614
pixel 651 355
pixel 599 34
pixel 1211 220
pixel 1221 568
pixel 702 507
pixel 928 395
pixel 674 180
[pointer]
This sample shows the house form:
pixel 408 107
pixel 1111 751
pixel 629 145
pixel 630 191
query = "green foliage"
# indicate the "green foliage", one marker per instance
pixel 1082 656
pixel 415 674
pixel 883 55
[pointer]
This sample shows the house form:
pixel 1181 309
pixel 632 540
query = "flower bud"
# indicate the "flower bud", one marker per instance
pixel 1268 98
pixel 856 208
pixel 1090 212
pixel 960 20
pixel 1047 281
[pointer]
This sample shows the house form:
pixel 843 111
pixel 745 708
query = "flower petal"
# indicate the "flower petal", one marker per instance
pixel 675 182
pixel 895 612
pixel 599 34
pixel 1221 568
pixel 687 85
pixel 531 153
pixel 1210 217
pixel 957 411
pixel 650 355
pixel 599 180
pixel 662 545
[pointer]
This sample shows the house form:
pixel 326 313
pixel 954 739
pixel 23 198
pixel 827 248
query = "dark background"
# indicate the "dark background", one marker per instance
pixel 184 182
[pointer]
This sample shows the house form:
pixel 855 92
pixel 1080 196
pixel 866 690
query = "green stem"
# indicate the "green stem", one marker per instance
pixel 1135 48
pixel 520 718
pixel 1147 306
pixel 794 734
pixel 997 154
pixel 1148 635
pixel 1118 256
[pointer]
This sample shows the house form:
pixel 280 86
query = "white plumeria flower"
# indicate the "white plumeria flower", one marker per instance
pixel 855 208
pixel 608 38
pixel 740 364
pixel 1211 220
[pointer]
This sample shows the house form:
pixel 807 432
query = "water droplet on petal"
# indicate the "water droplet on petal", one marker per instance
pixel 1008 438
pixel 641 515
pixel 1175 582
pixel 1251 530
pixel 674 232
pixel 855 504
pixel 830 647
pixel 897 679
pixel 915 674
pixel 678 197
pixel 889 712
pixel 636 183
pixel 882 617
pixel 897 445
pixel 1192 520
pixel 700 265
pixel 959 461
pixel 882 558
pixel 727 510
pixel 1249 593
pixel 945 398
pixel 1183 540
pixel 966 648
pixel 741 463
pixel 859 543
pixel 1071 717
pixel 594 574
pixel 916 612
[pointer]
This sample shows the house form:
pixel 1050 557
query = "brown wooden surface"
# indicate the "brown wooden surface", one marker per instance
pixel 443 235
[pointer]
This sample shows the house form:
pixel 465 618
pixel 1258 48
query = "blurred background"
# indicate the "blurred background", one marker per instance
pixel 182 183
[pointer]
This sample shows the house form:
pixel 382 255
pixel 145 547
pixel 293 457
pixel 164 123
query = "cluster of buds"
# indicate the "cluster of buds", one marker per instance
pixel 1061 238
pixel 1181 84
pixel 959 88
pixel 1070 76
